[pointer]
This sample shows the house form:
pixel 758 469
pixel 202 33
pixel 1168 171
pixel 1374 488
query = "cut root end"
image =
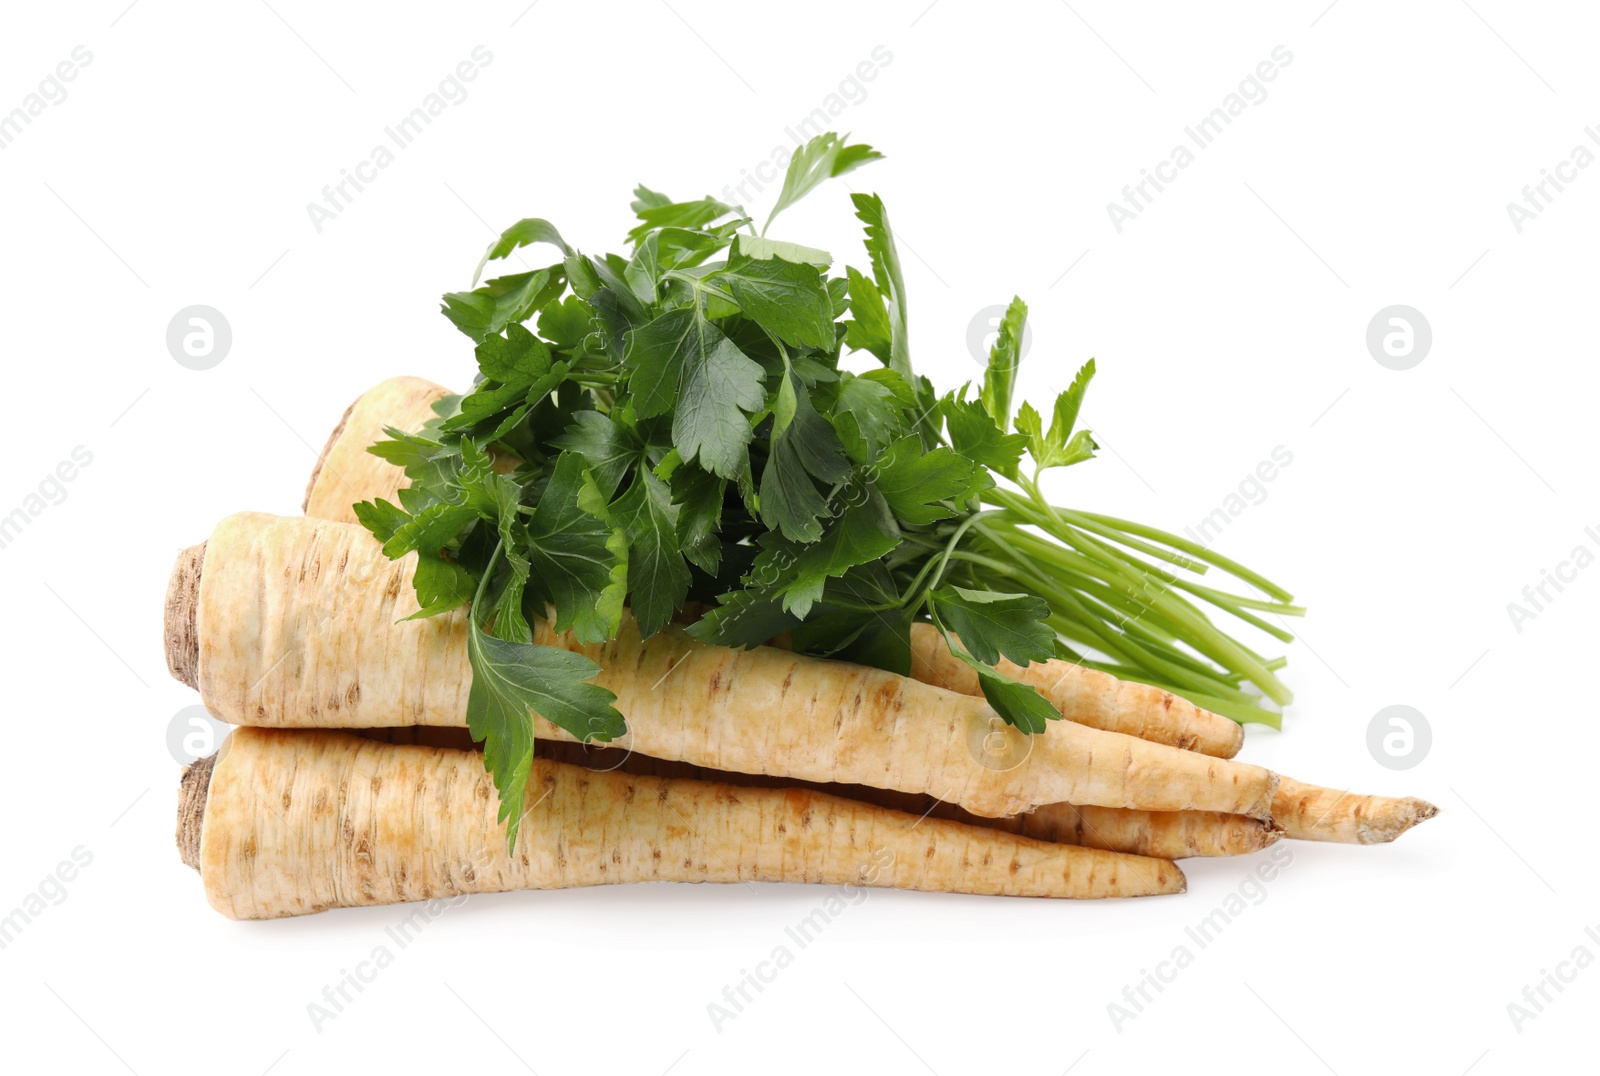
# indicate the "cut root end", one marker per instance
pixel 183 600
pixel 192 793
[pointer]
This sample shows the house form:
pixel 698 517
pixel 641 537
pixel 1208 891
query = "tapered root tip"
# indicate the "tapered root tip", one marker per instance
pixel 192 793
pixel 1174 880
pixel 183 598
pixel 322 457
pixel 1405 814
pixel 1228 741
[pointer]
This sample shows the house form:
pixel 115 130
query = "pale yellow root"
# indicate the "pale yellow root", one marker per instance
pixel 1089 697
pixel 346 472
pixel 1162 834
pixel 290 822
pixel 1312 813
pixel 1167 834
pixel 298 623
pixel 1302 811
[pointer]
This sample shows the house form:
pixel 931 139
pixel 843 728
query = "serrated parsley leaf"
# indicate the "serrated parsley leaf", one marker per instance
pixel 579 556
pixel 683 363
pixel 567 324
pixel 503 301
pixel 606 446
pixel 886 274
pixel 441 585
pixel 699 496
pixel 658 578
pixel 743 618
pixel 914 481
pixel 755 246
pixel 1062 447
pixel 1018 704
pixel 511 365
pixel 805 448
pixel 975 436
pixel 786 298
pixel 823 157
pixel 654 213
pixel 869 328
pixel 863 532
pixel 867 415
pixel 1000 378
pixel 406 450
pixel 520 234
pixel 513 681
pixel 992 624
pixel 380 517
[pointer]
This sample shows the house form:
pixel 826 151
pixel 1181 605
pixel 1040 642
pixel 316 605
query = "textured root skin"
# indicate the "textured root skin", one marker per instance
pixel 178 631
pixel 300 625
pixel 1165 834
pixel 345 471
pixel 1312 813
pixel 192 792
pixel 1089 697
pixel 322 457
pixel 301 821
pixel 1161 834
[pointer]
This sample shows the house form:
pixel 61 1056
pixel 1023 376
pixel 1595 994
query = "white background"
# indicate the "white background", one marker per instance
pixel 1228 318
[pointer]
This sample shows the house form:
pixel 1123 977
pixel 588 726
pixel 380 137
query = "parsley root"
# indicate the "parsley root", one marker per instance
pixel 283 823
pixel 1312 813
pixel 1088 696
pixel 294 623
pixel 346 472
pixel 1162 834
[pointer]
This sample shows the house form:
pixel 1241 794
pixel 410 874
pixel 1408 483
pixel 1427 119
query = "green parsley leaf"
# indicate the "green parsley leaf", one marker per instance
pixel 863 532
pixel 1061 447
pixel 608 449
pixel 658 578
pixel 526 231
pixel 1018 704
pixel 869 328
pixel 1000 378
pixel 991 624
pixel 805 448
pixel 579 556
pixel 682 361
pixel 503 301
pixel 699 496
pixel 786 298
pixel 824 157
pixel 975 436
pixel 886 274
pixel 868 414
pixel 655 213
pixel 513 681
pixel 914 481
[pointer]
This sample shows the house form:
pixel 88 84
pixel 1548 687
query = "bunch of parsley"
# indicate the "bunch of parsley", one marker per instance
pixel 673 426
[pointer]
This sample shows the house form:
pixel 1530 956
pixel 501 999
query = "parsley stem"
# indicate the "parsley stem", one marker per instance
pixel 1091 559
pixel 1231 566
